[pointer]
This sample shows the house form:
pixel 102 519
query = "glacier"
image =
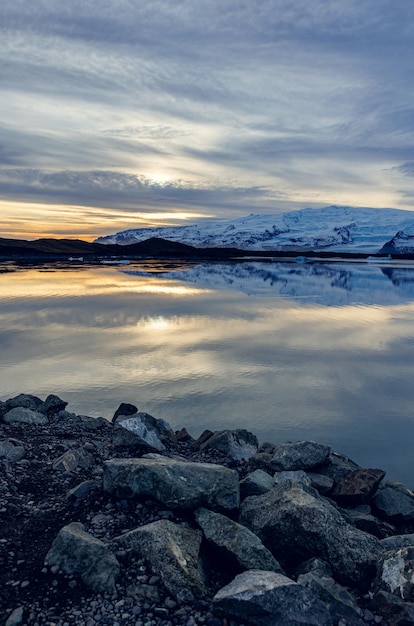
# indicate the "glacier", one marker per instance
pixel 335 228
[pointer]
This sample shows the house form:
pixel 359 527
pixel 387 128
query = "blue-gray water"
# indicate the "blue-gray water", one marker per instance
pixel 290 351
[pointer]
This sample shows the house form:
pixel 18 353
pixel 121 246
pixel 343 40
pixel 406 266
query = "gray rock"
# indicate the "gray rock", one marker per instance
pixel 364 520
pixel 315 566
pixel 70 460
pixel 394 503
pixel 236 542
pixel 177 484
pixel 11 450
pixel 321 483
pixel 358 486
pixel 173 551
pixel 237 444
pixel 302 455
pixel 268 599
pixel 21 415
pixel 16 617
pixel 155 433
pixel 84 489
pixel 78 553
pixel 24 400
pixel 143 593
pixel 296 523
pixel 255 484
pixel 298 475
pixel 395 611
pixel 396 573
pixel 88 423
pixel 339 602
pixel 52 405
pixel 337 466
pixel 124 409
pixel 397 541
pixel 260 460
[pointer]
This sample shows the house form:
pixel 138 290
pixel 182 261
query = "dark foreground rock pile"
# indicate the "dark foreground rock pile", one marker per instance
pixel 130 523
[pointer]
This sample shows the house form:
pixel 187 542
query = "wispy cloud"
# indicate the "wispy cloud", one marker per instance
pixel 253 105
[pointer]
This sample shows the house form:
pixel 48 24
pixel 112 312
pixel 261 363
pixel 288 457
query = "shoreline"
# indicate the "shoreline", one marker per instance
pixel 123 493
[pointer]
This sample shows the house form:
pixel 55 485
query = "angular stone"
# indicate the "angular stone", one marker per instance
pixel 260 460
pixel 182 436
pixel 173 551
pixel 236 444
pixel 16 617
pixel 321 483
pixel 255 484
pixel 24 400
pixel 88 423
pixel 177 484
pixel 298 475
pixel 20 415
pixel 395 611
pixel 84 489
pixel 394 503
pixel 78 553
pixel 265 598
pixel 11 450
pixel 396 573
pixel 302 455
pixel 52 405
pixel 124 409
pixel 339 602
pixel 149 431
pixel 72 459
pixel 236 542
pixel 296 523
pixel 337 466
pixel 364 520
pixel 397 541
pixel 358 486
pixel 315 566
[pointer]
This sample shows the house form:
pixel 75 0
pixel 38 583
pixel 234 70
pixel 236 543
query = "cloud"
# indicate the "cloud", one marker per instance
pixel 299 101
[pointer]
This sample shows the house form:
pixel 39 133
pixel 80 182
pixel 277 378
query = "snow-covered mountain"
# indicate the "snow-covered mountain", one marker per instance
pixel 336 228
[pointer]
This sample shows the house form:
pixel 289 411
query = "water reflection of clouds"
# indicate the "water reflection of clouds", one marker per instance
pixel 216 359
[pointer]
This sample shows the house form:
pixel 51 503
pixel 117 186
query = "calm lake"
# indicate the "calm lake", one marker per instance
pixel 290 351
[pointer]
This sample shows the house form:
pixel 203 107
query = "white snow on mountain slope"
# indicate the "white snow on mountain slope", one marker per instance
pixel 336 228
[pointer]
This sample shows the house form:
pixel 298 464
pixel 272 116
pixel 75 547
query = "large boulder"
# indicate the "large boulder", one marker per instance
pixel 340 603
pixel 394 503
pixel 301 455
pixel 265 598
pixel 236 444
pixel 21 415
pixel 358 486
pixel 296 523
pixel 76 552
pixel 236 543
pixel 255 484
pixel 396 573
pixel 337 466
pixel 397 541
pixel 177 484
pixel 147 430
pixel 364 520
pixel 52 405
pixel 173 552
pixel 24 400
pixel 11 450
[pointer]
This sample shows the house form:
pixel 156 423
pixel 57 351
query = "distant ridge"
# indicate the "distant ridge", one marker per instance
pixel 334 228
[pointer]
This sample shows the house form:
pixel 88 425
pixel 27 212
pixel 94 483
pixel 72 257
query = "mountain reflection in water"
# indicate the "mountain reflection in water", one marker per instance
pixel 290 351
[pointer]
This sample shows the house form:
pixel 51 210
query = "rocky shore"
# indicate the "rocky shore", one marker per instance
pixel 129 523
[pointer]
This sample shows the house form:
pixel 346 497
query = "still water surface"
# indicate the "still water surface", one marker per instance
pixel 290 351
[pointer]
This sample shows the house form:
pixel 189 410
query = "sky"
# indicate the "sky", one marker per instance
pixel 124 114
